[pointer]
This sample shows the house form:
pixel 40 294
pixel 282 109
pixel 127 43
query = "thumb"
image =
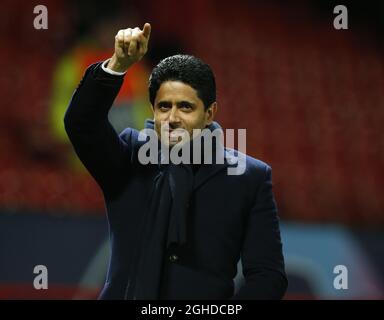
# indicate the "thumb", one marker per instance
pixel 147 30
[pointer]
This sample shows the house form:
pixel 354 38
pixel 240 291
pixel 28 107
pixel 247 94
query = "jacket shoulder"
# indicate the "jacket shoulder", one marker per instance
pixel 256 164
pixel 129 136
pixel 254 167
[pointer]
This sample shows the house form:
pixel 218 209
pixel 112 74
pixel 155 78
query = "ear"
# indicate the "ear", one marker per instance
pixel 210 113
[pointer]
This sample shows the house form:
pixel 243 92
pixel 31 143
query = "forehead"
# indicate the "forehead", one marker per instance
pixel 176 91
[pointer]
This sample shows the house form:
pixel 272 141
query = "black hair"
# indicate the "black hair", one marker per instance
pixel 187 69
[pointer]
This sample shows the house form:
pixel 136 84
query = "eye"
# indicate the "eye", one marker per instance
pixel 163 107
pixel 185 105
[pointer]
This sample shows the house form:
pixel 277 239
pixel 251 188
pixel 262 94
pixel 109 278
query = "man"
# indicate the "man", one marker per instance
pixel 176 231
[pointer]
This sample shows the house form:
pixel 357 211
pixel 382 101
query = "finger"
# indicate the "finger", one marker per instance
pixel 142 50
pixel 141 40
pixel 147 30
pixel 127 38
pixel 120 38
pixel 136 38
pixel 136 33
pixel 132 47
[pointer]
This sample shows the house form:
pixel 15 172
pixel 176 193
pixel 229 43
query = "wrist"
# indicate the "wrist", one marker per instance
pixel 115 65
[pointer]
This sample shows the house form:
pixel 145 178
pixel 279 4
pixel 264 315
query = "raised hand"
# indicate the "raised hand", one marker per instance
pixel 130 46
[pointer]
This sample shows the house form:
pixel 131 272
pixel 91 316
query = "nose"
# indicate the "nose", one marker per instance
pixel 173 115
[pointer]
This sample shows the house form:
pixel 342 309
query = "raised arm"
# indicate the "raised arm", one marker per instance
pixel 102 151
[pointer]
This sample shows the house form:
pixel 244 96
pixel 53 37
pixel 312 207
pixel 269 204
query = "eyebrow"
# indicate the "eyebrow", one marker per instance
pixel 186 102
pixel 165 102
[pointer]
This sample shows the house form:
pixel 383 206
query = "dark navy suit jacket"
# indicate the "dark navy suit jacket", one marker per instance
pixel 230 216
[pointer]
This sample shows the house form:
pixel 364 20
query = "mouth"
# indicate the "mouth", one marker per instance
pixel 180 130
pixel 176 135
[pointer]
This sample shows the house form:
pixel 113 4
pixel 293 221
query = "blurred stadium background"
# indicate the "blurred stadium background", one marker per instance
pixel 310 97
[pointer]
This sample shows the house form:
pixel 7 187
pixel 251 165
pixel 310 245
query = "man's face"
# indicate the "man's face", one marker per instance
pixel 178 106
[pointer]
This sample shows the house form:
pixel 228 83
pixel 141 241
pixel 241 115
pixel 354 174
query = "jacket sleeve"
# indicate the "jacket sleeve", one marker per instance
pixel 261 256
pixel 100 149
